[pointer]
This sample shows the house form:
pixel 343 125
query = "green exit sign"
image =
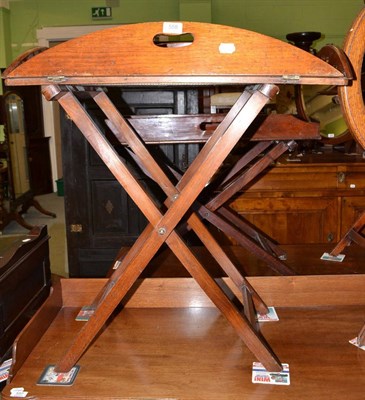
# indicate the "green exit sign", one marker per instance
pixel 101 12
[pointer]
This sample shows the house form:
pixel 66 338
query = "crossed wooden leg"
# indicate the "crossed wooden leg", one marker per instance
pixel 352 235
pixel 227 220
pixel 361 337
pixel 161 227
pixel 271 136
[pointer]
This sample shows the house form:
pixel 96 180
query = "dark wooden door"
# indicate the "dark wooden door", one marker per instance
pixel 100 216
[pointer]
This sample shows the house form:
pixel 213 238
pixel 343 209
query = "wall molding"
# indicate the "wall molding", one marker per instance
pixel 45 37
pixel 58 33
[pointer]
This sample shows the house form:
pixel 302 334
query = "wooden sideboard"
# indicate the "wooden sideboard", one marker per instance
pixel 25 281
pixel 310 199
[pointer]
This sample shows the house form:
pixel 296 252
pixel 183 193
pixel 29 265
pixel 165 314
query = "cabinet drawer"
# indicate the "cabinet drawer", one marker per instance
pixel 351 178
pixel 296 179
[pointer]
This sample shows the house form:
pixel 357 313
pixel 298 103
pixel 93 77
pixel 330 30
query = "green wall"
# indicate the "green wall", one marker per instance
pixel 26 16
pixel 5 47
pixel 272 17
pixel 278 17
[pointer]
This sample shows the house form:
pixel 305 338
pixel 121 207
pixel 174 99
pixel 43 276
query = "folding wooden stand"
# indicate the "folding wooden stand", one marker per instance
pixel 131 55
pixel 161 227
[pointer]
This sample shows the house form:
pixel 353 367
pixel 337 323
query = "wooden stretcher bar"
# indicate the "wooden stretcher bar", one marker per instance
pixel 155 129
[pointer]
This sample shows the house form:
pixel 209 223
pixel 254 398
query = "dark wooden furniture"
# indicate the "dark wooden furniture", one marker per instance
pixel 40 165
pixel 314 198
pixel 25 281
pixel 15 150
pixel 38 142
pixel 226 60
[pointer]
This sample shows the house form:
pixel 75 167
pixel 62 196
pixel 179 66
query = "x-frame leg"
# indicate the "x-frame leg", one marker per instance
pixel 147 163
pixel 226 219
pixel 267 148
pixel 352 235
pixel 162 226
pixel 230 222
pixel 361 337
pixel 269 143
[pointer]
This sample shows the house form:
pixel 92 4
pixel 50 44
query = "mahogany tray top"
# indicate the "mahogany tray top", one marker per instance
pixel 127 55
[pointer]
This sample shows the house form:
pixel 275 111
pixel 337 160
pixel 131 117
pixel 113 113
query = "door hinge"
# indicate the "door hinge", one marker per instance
pixel 56 79
pixel 291 78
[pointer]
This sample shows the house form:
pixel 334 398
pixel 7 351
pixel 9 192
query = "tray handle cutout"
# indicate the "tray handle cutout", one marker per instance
pixel 167 40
